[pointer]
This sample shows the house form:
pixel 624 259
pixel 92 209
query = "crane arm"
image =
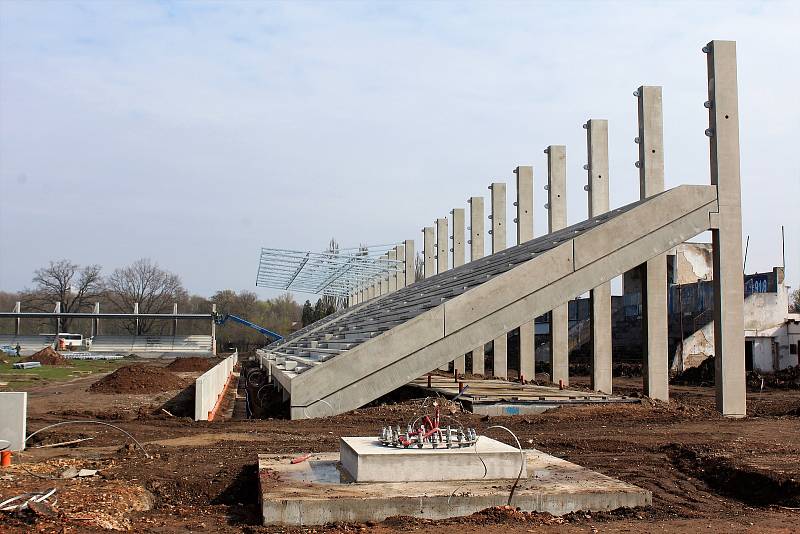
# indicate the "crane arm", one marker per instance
pixel 220 319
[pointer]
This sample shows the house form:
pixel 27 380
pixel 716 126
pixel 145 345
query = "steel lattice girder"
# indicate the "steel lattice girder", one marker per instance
pixel 335 273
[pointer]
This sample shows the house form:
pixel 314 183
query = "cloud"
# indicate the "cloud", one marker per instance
pixel 161 129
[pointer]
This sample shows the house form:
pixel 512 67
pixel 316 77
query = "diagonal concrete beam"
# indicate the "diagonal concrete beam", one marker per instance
pixel 503 302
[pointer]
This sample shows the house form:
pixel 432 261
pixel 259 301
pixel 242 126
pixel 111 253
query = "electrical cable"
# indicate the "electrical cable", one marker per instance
pixel 88 421
pixel 521 464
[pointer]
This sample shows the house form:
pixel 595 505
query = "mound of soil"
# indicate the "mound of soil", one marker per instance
pixel 194 363
pixel 47 356
pixel 138 379
pixel 702 375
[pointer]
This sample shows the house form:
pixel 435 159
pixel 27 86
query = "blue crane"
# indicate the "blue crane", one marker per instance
pixel 220 318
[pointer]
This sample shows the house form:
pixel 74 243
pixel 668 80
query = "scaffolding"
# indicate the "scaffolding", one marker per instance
pixel 336 273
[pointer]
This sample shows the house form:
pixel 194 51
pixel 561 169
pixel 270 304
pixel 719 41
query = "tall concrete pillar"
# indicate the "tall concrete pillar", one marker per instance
pixel 17 309
pixel 457 237
pixel 524 220
pixel 476 250
pixel 136 318
pixel 410 270
pixel 441 245
pixel 429 251
pixel 400 254
pixel 213 330
pixel 175 320
pixel 392 282
pixel 557 219
pixel 95 323
pixel 653 271
pixel 600 297
pixel 723 130
pixel 57 309
pixel 371 290
pixel 442 257
pixel 498 232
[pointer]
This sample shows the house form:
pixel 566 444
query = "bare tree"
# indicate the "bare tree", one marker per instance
pixel 419 267
pixel 154 288
pixel 794 301
pixel 62 281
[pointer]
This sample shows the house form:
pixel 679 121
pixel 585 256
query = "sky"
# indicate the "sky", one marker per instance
pixel 194 133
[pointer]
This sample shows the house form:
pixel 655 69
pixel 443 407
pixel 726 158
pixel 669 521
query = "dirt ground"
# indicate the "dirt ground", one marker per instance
pixel 707 473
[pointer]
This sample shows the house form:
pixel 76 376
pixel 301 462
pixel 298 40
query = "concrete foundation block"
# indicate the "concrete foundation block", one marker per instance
pixel 316 492
pixel 366 460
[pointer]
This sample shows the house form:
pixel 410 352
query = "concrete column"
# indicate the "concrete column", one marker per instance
pixel 400 254
pixel 524 220
pixel 441 245
pixel 392 282
pixel 372 290
pixel 17 309
pixel 174 321
pixel 498 232
pixel 441 257
pixel 411 274
pixel 557 219
pixel 597 167
pixel 136 318
pixel 429 267
pixel 57 309
pixel 96 322
pixel 213 330
pixel 476 250
pixel 457 237
pixel 723 130
pixel 654 271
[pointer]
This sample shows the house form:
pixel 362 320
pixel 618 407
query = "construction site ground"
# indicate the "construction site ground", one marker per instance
pixel 707 473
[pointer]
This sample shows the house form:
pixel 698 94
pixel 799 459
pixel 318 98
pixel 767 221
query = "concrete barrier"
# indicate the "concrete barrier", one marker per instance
pixel 13 418
pixel 210 387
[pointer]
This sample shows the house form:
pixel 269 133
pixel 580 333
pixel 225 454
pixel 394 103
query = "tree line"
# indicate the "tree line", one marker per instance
pixel 156 290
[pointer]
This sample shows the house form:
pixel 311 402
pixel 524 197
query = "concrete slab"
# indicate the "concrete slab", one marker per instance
pixel 366 460
pixel 13 417
pixel 318 491
pixel 500 397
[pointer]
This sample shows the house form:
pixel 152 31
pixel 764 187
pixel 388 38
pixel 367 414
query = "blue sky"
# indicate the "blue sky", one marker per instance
pixel 194 133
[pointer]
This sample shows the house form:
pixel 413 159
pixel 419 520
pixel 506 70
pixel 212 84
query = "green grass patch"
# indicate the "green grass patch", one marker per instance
pixel 23 379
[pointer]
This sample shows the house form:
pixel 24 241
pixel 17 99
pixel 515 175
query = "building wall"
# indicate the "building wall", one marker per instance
pixel 766 325
pixel 691 262
pixel 763 355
